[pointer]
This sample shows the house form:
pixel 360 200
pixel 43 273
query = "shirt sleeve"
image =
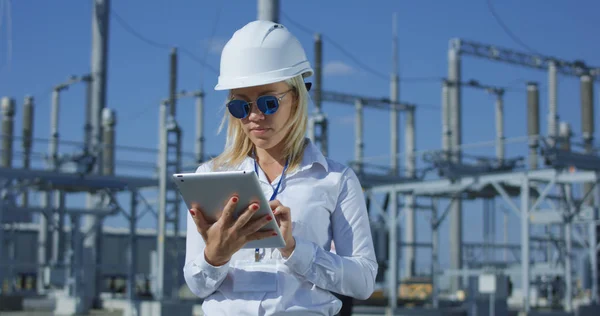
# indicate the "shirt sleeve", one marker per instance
pixel 351 270
pixel 201 277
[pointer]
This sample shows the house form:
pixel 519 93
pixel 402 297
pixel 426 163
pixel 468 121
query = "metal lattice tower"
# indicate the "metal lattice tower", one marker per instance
pixel 169 203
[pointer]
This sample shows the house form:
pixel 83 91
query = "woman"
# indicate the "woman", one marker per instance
pixel 316 201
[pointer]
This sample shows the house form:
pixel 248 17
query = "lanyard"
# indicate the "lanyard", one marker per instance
pixel 273 196
pixel 276 191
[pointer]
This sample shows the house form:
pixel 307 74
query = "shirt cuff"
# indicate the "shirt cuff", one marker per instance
pixel 210 271
pixel 302 257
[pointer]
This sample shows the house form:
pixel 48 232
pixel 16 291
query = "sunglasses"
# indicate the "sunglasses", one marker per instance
pixel 267 104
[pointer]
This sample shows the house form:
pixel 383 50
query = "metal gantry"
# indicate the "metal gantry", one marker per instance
pixel 558 159
pixel 531 185
pixel 61 264
pixel 546 196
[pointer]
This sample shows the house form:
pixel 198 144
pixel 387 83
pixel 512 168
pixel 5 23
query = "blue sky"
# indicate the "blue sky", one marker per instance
pixel 47 41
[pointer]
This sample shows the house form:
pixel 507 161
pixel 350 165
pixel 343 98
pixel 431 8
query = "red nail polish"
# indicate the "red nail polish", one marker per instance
pixel 268 217
pixel 234 199
pixel 255 207
pixel 274 234
pixel 192 212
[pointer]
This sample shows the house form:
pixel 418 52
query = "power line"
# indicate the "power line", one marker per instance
pixel 210 39
pixel 339 47
pixel 144 110
pixel 135 33
pixel 356 60
pixel 153 43
pixel 507 30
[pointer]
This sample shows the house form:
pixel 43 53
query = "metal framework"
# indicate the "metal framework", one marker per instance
pixel 450 163
pixel 72 272
pixel 496 53
pixel 538 197
pixel 533 189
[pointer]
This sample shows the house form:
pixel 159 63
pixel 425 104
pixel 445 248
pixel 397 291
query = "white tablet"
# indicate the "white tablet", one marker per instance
pixel 212 190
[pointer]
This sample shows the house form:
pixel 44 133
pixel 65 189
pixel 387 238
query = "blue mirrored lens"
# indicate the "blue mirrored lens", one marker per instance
pixel 267 104
pixel 238 108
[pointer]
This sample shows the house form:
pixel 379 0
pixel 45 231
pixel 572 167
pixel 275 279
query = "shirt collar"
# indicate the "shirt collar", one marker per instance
pixel 312 155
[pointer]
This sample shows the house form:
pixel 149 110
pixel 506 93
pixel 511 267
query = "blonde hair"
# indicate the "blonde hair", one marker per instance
pixel 238 146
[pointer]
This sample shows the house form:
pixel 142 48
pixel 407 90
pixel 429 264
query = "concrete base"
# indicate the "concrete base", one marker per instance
pixel 588 310
pixel 11 302
pixel 545 313
pixel 69 306
pixel 151 308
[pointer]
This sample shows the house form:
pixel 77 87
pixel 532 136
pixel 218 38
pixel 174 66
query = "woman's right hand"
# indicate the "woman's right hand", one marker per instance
pixel 227 235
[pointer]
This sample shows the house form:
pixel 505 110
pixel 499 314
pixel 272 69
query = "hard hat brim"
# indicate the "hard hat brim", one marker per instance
pixel 253 81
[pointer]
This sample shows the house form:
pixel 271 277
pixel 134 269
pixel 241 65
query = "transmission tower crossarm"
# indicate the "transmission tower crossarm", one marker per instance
pixel 498 91
pixel 570 68
pixel 379 103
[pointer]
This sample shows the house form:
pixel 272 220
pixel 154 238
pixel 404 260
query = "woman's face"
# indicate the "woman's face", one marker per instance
pixel 266 130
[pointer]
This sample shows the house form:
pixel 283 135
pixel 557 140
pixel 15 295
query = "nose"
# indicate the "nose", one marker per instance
pixel 255 114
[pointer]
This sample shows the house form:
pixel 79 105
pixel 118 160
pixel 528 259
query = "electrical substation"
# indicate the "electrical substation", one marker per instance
pixel 67 261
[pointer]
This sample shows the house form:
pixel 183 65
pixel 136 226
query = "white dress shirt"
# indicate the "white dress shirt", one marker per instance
pixel 327 204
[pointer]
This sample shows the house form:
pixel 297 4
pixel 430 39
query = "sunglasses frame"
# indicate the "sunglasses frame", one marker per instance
pixel 246 106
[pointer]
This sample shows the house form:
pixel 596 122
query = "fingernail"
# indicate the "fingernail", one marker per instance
pixel 192 212
pixel 268 217
pixel 234 199
pixel 255 207
pixel 274 234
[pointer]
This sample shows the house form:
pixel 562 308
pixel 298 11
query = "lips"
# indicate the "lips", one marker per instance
pixel 259 129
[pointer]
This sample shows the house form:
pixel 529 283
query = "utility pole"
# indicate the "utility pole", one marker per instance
pixel 359 144
pixel 446 130
pixel 7 107
pixel 552 103
pixel 456 231
pixel 28 109
pixel 87 127
pixel 500 147
pixel 200 155
pixel 109 120
pixel 268 10
pixel 394 97
pixel 587 123
pixel 317 128
pixel 167 278
pixel 393 202
pixel 173 82
pixel 92 223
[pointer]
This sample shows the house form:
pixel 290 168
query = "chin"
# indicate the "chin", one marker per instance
pixel 264 143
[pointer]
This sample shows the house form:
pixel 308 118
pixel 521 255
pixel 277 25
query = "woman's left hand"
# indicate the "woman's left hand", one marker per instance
pixel 284 220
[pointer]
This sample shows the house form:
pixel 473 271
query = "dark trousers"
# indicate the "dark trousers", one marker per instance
pixel 347 303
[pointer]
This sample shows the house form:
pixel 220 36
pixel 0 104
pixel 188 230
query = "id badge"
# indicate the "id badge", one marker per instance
pixel 251 276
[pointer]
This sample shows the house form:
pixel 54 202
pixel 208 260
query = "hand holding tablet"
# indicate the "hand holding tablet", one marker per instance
pixel 230 211
pixel 228 235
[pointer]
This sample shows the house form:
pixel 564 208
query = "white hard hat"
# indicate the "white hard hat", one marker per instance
pixel 259 53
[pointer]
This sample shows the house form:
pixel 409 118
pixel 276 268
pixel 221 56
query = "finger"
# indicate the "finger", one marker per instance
pixel 255 225
pixel 228 210
pixel 274 204
pixel 245 217
pixel 201 224
pixel 277 216
pixel 282 212
pixel 261 235
pixel 284 217
pixel 278 221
